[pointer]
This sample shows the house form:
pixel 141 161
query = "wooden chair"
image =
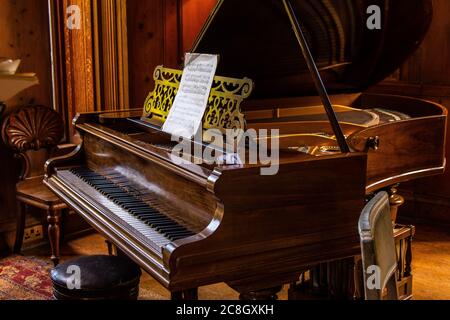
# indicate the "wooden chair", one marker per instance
pixel 378 249
pixel 33 134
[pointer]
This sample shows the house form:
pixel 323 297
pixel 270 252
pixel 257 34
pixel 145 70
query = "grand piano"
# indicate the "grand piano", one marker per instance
pixel 300 67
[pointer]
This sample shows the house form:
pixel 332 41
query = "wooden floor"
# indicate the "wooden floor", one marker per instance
pixel 431 266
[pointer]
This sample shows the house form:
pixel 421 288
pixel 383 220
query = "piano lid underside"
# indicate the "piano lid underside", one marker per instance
pixel 254 39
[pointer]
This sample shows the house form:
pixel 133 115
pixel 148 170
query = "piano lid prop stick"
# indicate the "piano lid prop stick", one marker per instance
pixel 316 77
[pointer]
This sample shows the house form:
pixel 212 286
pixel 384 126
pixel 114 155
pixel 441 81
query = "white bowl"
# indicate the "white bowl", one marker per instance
pixel 9 66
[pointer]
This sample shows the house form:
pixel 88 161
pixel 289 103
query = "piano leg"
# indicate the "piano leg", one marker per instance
pixel 331 280
pixel 396 201
pixel 54 231
pixel 20 227
pixel 254 290
pixel 270 294
pixel 189 295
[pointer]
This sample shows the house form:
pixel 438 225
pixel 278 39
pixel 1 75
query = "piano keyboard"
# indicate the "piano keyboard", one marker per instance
pixel 127 202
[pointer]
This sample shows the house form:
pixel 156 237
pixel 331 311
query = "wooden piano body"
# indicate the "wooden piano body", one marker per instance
pixel 397 151
pixel 252 231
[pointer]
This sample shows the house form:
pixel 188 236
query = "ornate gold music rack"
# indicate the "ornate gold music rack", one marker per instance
pixel 224 105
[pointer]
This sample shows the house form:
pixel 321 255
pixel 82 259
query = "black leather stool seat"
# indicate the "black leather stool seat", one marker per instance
pixel 102 278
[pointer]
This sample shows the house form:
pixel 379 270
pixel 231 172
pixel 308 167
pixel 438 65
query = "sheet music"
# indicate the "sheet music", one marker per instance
pixel 186 114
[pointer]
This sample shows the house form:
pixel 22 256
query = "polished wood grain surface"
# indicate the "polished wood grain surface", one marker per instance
pixel 159 33
pixel 405 150
pixel 218 201
pixel 222 208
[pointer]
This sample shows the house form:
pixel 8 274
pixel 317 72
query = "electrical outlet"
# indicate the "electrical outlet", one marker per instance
pixel 33 234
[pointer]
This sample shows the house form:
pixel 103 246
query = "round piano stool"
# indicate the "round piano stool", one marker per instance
pixel 96 278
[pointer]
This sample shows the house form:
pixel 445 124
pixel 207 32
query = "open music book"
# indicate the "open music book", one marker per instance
pixel 186 114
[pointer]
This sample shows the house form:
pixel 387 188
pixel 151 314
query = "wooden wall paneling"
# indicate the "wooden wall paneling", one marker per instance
pixel 427 75
pixel 172 33
pixel 152 42
pixel 95 70
pixel 431 64
pixel 111 54
pixel 79 57
pixel 435 51
pixel 160 32
pixel 24 34
pixel 194 15
pixel 57 23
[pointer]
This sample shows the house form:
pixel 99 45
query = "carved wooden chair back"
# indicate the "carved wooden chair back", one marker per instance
pixel 378 249
pixel 32 132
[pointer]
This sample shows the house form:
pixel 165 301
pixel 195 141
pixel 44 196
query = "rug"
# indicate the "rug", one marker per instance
pixel 25 278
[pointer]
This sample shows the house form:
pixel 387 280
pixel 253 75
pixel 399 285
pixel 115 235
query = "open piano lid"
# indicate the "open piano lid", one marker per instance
pixel 255 39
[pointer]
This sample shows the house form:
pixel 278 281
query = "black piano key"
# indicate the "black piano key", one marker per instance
pixel 170 226
pixel 156 223
pixel 146 216
pixel 133 205
pixel 165 228
pixel 115 191
pixel 122 192
pixel 136 206
pixel 171 230
pixel 124 204
pixel 144 212
pixel 124 201
pixel 179 235
pixel 175 238
pixel 123 197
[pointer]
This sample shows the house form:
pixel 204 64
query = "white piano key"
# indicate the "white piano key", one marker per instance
pixel 146 231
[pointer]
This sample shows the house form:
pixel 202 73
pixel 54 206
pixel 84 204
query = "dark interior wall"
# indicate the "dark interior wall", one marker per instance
pixel 195 13
pixel 159 33
pixel 146 45
pixel 427 75
pixel 24 34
